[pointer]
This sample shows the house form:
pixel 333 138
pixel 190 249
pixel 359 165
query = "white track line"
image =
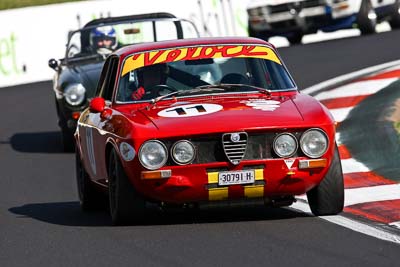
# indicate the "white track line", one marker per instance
pixel 359 88
pixel 395 224
pixel 351 166
pixel 349 76
pixel 355 196
pixel 350 224
pixel 340 114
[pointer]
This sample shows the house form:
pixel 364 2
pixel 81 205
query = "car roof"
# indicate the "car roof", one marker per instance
pixel 159 15
pixel 135 48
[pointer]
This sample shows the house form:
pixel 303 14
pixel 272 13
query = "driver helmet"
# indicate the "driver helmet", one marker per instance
pixel 103 38
pixel 153 74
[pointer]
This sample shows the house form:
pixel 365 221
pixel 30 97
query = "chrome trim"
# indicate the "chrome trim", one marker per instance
pixel 158 166
pixel 172 152
pixel 323 133
pixel 235 151
pixel 291 135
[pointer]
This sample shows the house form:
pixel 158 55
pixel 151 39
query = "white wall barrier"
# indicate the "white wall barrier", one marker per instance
pixel 29 37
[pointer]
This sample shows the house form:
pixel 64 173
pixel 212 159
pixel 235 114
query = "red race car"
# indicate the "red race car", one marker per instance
pixel 204 120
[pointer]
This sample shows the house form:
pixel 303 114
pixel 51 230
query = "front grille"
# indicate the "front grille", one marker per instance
pixel 210 148
pixel 313 3
pixel 280 8
pixel 234 145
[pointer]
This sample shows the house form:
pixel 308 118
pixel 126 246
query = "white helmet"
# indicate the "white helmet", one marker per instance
pixel 103 38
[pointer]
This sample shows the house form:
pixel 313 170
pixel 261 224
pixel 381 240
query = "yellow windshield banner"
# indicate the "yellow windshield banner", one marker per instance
pixel 194 53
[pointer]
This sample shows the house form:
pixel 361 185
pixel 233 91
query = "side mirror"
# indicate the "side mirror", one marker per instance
pixel 97 105
pixel 53 64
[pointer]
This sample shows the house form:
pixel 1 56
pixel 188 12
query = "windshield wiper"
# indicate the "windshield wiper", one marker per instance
pixel 229 86
pixel 184 92
pixel 161 97
pixel 211 88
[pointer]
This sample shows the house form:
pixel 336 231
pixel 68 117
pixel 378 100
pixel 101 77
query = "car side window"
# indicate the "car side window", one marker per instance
pixel 107 78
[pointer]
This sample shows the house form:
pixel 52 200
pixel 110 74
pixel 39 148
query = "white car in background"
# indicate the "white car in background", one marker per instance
pixel 293 19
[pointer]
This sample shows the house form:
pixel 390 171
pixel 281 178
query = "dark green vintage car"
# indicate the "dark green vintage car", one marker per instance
pixel 77 74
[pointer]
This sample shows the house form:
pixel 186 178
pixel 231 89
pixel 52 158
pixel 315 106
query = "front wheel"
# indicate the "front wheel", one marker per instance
pixel 68 140
pixel 394 20
pixel 295 38
pixel 126 205
pixel 327 198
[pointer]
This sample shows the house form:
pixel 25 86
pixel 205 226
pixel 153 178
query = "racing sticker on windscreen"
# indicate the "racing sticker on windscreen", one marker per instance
pixel 262 104
pixel 199 52
pixel 189 110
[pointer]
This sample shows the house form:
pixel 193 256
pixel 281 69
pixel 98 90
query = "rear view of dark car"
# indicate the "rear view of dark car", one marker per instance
pixel 77 74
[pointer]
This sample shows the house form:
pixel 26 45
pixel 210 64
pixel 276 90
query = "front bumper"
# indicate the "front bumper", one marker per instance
pixel 68 115
pixel 308 20
pixel 198 183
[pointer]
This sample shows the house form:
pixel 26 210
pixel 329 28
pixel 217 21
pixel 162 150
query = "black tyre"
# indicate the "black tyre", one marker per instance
pixel 89 198
pixel 367 18
pixel 394 20
pixel 251 31
pixel 327 198
pixel 261 35
pixel 68 141
pixel 295 38
pixel 126 205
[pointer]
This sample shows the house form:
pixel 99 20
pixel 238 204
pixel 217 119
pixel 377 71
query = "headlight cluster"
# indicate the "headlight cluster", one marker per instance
pixel 285 145
pixel 313 143
pixel 75 94
pixel 153 154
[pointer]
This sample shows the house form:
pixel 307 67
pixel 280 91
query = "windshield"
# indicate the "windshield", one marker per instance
pixel 212 73
pixel 101 40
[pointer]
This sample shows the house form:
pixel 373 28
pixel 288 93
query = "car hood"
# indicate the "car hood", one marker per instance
pixel 223 114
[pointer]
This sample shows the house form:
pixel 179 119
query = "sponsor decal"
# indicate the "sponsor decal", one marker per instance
pixel 189 110
pixel 8 56
pixel 289 163
pixel 262 104
pixel 199 52
pixel 128 153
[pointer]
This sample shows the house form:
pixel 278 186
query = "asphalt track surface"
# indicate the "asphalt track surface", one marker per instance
pixel 41 223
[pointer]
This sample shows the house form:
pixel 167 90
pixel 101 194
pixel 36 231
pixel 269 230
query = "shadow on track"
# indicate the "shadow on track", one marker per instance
pixel 37 142
pixel 70 214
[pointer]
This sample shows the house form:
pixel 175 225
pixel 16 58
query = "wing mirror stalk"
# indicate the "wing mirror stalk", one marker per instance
pixel 53 64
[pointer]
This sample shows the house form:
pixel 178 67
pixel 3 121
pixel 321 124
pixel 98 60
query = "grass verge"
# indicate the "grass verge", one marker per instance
pixel 9 4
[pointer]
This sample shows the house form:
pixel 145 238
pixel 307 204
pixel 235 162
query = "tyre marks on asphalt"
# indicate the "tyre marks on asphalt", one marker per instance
pixel 368 196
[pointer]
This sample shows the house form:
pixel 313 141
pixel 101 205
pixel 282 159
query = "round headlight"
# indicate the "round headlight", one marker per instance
pixel 183 152
pixel 285 145
pixel 314 143
pixel 75 94
pixel 153 154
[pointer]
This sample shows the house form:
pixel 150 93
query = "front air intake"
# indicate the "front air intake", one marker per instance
pixel 234 145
